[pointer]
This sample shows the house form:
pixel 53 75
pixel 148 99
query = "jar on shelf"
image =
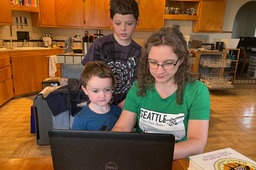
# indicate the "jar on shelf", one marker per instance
pixel 177 11
pixel 171 10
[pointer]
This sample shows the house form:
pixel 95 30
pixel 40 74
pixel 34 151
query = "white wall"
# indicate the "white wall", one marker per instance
pixel 232 7
pixel 245 23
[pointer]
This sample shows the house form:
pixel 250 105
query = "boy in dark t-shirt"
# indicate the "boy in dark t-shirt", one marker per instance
pixel 118 50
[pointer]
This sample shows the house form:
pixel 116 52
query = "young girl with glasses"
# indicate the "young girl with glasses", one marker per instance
pixel 166 98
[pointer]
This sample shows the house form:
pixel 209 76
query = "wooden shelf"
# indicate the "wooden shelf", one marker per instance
pixel 183 6
pixel 230 71
pixel 24 8
pixel 233 60
pixel 234 49
pixel 180 17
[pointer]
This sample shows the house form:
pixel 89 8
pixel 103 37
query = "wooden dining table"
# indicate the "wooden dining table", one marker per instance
pixel 45 163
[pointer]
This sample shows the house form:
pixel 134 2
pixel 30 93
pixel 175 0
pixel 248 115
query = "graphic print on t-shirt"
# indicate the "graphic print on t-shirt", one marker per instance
pixel 124 73
pixel 156 122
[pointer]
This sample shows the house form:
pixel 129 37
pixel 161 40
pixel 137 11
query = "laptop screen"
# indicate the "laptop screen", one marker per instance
pixel 104 150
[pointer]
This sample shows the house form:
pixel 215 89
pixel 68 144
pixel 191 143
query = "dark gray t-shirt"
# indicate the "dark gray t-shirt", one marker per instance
pixel 122 60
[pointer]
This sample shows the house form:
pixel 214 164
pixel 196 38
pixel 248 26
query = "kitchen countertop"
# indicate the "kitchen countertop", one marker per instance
pixel 25 48
pixel 72 54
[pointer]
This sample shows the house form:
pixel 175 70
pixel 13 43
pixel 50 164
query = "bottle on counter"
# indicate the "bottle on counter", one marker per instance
pixel 85 42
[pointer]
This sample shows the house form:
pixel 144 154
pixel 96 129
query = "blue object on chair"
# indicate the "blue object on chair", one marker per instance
pixel 32 120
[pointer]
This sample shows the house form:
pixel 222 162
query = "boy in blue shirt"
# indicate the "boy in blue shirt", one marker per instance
pixel 97 82
pixel 118 51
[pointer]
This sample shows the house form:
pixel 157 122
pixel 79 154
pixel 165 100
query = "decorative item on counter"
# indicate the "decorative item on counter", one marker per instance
pixel 99 34
pixel 77 47
pixel 47 39
pixel 196 44
pixel 77 37
pixel 91 39
pixel 85 42
pixel 68 45
pixel 219 46
pixel 60 44
pixel 208 46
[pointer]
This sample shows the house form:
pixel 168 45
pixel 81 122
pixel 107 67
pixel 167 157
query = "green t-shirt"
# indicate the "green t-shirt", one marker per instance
pixel 158 115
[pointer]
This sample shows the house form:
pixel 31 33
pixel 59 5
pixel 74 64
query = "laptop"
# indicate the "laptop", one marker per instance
pixel 105 150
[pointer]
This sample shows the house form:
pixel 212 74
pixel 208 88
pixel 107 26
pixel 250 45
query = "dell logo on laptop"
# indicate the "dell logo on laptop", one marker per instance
pixel 111 166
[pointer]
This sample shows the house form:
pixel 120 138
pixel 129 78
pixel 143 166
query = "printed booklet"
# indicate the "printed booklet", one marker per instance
pixel 223 159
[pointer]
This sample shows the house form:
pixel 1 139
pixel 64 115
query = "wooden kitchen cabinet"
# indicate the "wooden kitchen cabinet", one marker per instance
pixel 211 15
pixel 6 14
pixel 151 14
pixel 47 13
pixel 29 68
pixel 97 14
pixel 69 13
pixel 92 14
pixel 6 84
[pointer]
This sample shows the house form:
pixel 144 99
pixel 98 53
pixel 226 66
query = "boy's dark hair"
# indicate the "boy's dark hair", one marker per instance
pixel 96 68
pixel 124 7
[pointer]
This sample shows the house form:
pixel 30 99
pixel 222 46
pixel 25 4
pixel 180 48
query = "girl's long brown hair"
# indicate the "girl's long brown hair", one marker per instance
pixel 172 37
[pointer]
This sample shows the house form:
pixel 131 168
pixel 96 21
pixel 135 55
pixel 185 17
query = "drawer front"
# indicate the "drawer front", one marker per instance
pixel 4 60
pixel 5 73
pixel 6 91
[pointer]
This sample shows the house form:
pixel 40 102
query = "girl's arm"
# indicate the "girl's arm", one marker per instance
pixel 126 122
pixel 196 139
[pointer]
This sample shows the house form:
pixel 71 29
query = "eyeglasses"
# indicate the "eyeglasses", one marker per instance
pixel 167 65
